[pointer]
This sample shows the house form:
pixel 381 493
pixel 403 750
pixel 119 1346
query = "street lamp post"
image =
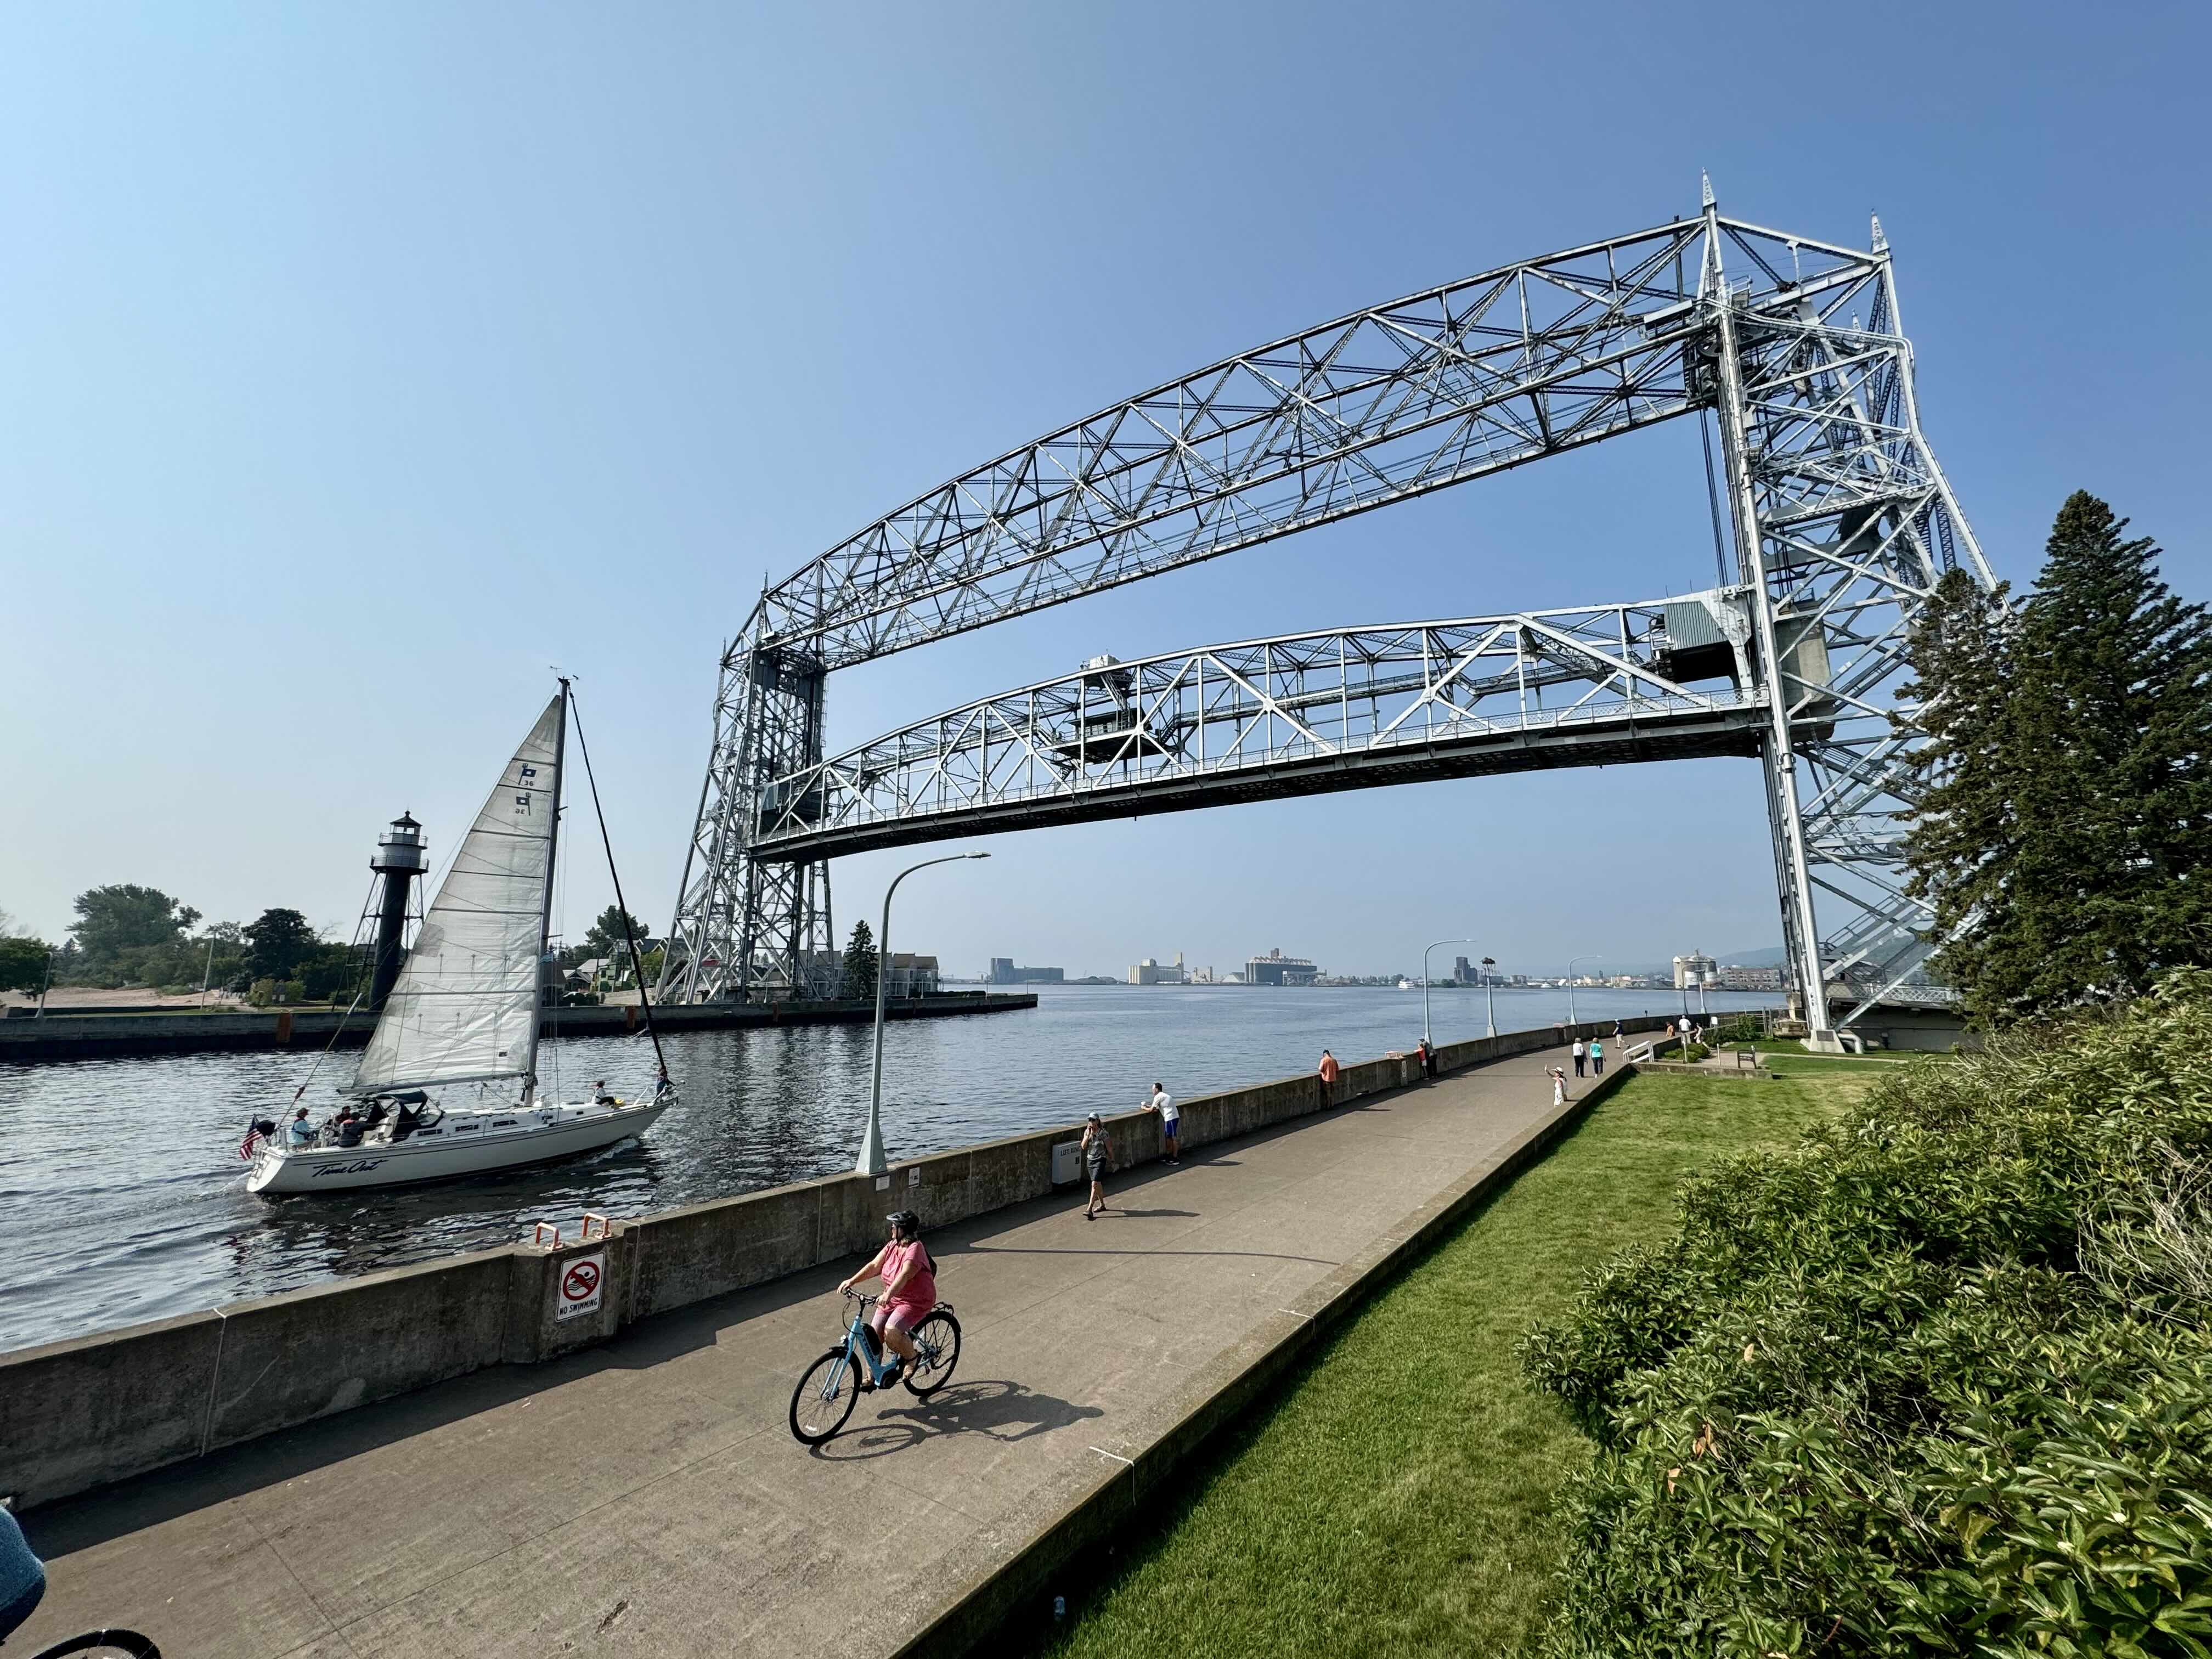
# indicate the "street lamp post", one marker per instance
pixel 871 1161
pixel 1490 994
pixel 1592 956
pixel 1425 986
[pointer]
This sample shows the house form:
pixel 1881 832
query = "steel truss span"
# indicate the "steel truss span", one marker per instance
pixel 1842 522
pixel 1301 713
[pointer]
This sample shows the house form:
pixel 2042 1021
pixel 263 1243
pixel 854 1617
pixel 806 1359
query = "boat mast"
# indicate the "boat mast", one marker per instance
pixel 552 851
pixel 622 904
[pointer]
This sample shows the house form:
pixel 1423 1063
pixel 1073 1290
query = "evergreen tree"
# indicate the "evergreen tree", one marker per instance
pixel 861 965
pixel 2117 677
pixel 2066 830
pixel 1963 842
pixel 605 938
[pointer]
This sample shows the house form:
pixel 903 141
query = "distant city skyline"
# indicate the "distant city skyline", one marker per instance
pixel 1760 957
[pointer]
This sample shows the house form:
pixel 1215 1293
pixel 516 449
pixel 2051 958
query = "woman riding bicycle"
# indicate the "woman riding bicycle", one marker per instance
pixel 909 1288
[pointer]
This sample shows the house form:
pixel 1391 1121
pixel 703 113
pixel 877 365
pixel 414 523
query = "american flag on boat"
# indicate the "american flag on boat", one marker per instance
pixel 250 1147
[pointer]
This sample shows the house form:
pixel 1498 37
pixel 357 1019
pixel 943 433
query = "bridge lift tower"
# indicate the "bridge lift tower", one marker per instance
pixel 1842 524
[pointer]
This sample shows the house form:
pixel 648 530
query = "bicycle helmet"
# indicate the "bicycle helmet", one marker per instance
pixel 905 1221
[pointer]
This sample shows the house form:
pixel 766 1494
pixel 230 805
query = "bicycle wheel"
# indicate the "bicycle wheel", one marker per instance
pixel 103 1645
pixel 824 1399
pixel 937 1345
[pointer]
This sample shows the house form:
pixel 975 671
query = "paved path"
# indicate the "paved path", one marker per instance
pixel 646 1497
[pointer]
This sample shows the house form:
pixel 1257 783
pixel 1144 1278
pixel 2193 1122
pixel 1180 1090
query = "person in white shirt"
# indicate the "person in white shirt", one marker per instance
pixel 1581 1056
pixel 1171 1120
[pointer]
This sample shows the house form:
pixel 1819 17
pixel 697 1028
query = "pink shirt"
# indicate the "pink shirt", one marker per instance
pixel 920 1291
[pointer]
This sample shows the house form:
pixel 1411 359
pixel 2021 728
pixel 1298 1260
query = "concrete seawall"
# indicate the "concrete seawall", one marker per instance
pixel 106 1036
pixel 78 1414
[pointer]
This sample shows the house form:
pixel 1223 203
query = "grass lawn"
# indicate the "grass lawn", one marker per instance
pixel 1397 1496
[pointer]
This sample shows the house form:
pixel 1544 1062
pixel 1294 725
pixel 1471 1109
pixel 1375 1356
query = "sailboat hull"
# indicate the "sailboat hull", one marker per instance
pixel 462 1144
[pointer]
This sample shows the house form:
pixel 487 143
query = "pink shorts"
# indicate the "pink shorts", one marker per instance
pixel 904 1315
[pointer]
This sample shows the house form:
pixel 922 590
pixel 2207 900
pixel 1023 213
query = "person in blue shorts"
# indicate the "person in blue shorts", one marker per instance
pixel 23 1576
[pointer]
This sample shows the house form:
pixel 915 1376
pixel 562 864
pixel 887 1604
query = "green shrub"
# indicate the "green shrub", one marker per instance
pixel 1939 1382
pixel 1692 1053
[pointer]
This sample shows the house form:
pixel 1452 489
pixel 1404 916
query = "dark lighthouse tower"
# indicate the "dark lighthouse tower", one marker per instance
pixel 397 862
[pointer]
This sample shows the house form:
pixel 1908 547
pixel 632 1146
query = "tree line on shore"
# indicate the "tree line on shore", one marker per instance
pixel 129 935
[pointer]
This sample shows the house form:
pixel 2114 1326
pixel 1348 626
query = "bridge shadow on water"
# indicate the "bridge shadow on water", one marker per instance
pixel 1004 1411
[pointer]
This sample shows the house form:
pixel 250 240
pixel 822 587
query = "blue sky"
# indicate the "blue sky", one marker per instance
pixel 357 364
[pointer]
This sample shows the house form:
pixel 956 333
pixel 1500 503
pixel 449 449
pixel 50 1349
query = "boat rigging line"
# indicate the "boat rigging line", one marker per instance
pixel 629 934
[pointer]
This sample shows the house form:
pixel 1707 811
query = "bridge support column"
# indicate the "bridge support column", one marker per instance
pixel 745 925
pixel 1779 759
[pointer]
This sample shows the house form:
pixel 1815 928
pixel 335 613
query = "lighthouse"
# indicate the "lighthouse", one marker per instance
pixel 397 862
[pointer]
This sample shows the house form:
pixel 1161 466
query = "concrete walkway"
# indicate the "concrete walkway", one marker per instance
pixel 646 1497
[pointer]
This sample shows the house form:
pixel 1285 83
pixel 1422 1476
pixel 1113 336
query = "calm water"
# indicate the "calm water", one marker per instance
pixel 122 1177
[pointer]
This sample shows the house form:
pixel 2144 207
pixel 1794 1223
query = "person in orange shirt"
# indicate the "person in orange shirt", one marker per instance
pixel 1328 1071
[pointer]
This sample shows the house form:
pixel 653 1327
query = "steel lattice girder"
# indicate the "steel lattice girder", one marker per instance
pixel 1846 523
pixel 1438 387
pixel 1842 517
pixel 1300 713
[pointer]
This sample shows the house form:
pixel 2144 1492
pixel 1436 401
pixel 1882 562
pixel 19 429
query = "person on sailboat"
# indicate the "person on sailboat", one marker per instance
pixel 301 1133
pixel 600 1096
pixel 463 1014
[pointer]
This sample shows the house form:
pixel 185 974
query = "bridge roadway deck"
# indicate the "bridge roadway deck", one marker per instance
pixel 646 1497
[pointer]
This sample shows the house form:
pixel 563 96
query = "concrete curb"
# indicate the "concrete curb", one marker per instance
pixel 997 1575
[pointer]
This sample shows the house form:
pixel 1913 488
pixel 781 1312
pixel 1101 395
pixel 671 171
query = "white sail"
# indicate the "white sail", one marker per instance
pixel 465 1006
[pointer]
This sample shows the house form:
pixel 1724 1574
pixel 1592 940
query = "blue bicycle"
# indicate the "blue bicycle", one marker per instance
pixel 826 1394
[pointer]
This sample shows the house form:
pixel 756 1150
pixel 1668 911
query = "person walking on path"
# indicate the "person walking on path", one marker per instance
pixel 1097 1158
pixel 1171 1120
pixel 1428 1056
pixel 1328 1073
pixel 1581 1056
pixel 1597 1056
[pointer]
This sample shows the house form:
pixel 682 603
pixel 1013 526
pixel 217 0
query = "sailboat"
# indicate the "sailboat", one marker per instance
pixel 448 1083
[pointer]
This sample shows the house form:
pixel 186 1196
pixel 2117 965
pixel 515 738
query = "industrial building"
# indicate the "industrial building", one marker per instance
pixel 1276 969
pixel 1696 971
pixel 1003 972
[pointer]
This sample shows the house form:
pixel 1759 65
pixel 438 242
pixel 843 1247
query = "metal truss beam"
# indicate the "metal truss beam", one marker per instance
pixel 1494 371
pixel 1297 715
pixel 1843 523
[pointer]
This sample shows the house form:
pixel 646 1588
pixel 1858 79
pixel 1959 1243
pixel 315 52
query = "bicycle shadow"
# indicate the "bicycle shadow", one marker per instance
pixel 989 1407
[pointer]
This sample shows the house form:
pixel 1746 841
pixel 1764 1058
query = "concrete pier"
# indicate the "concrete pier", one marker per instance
pixel 645 1495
